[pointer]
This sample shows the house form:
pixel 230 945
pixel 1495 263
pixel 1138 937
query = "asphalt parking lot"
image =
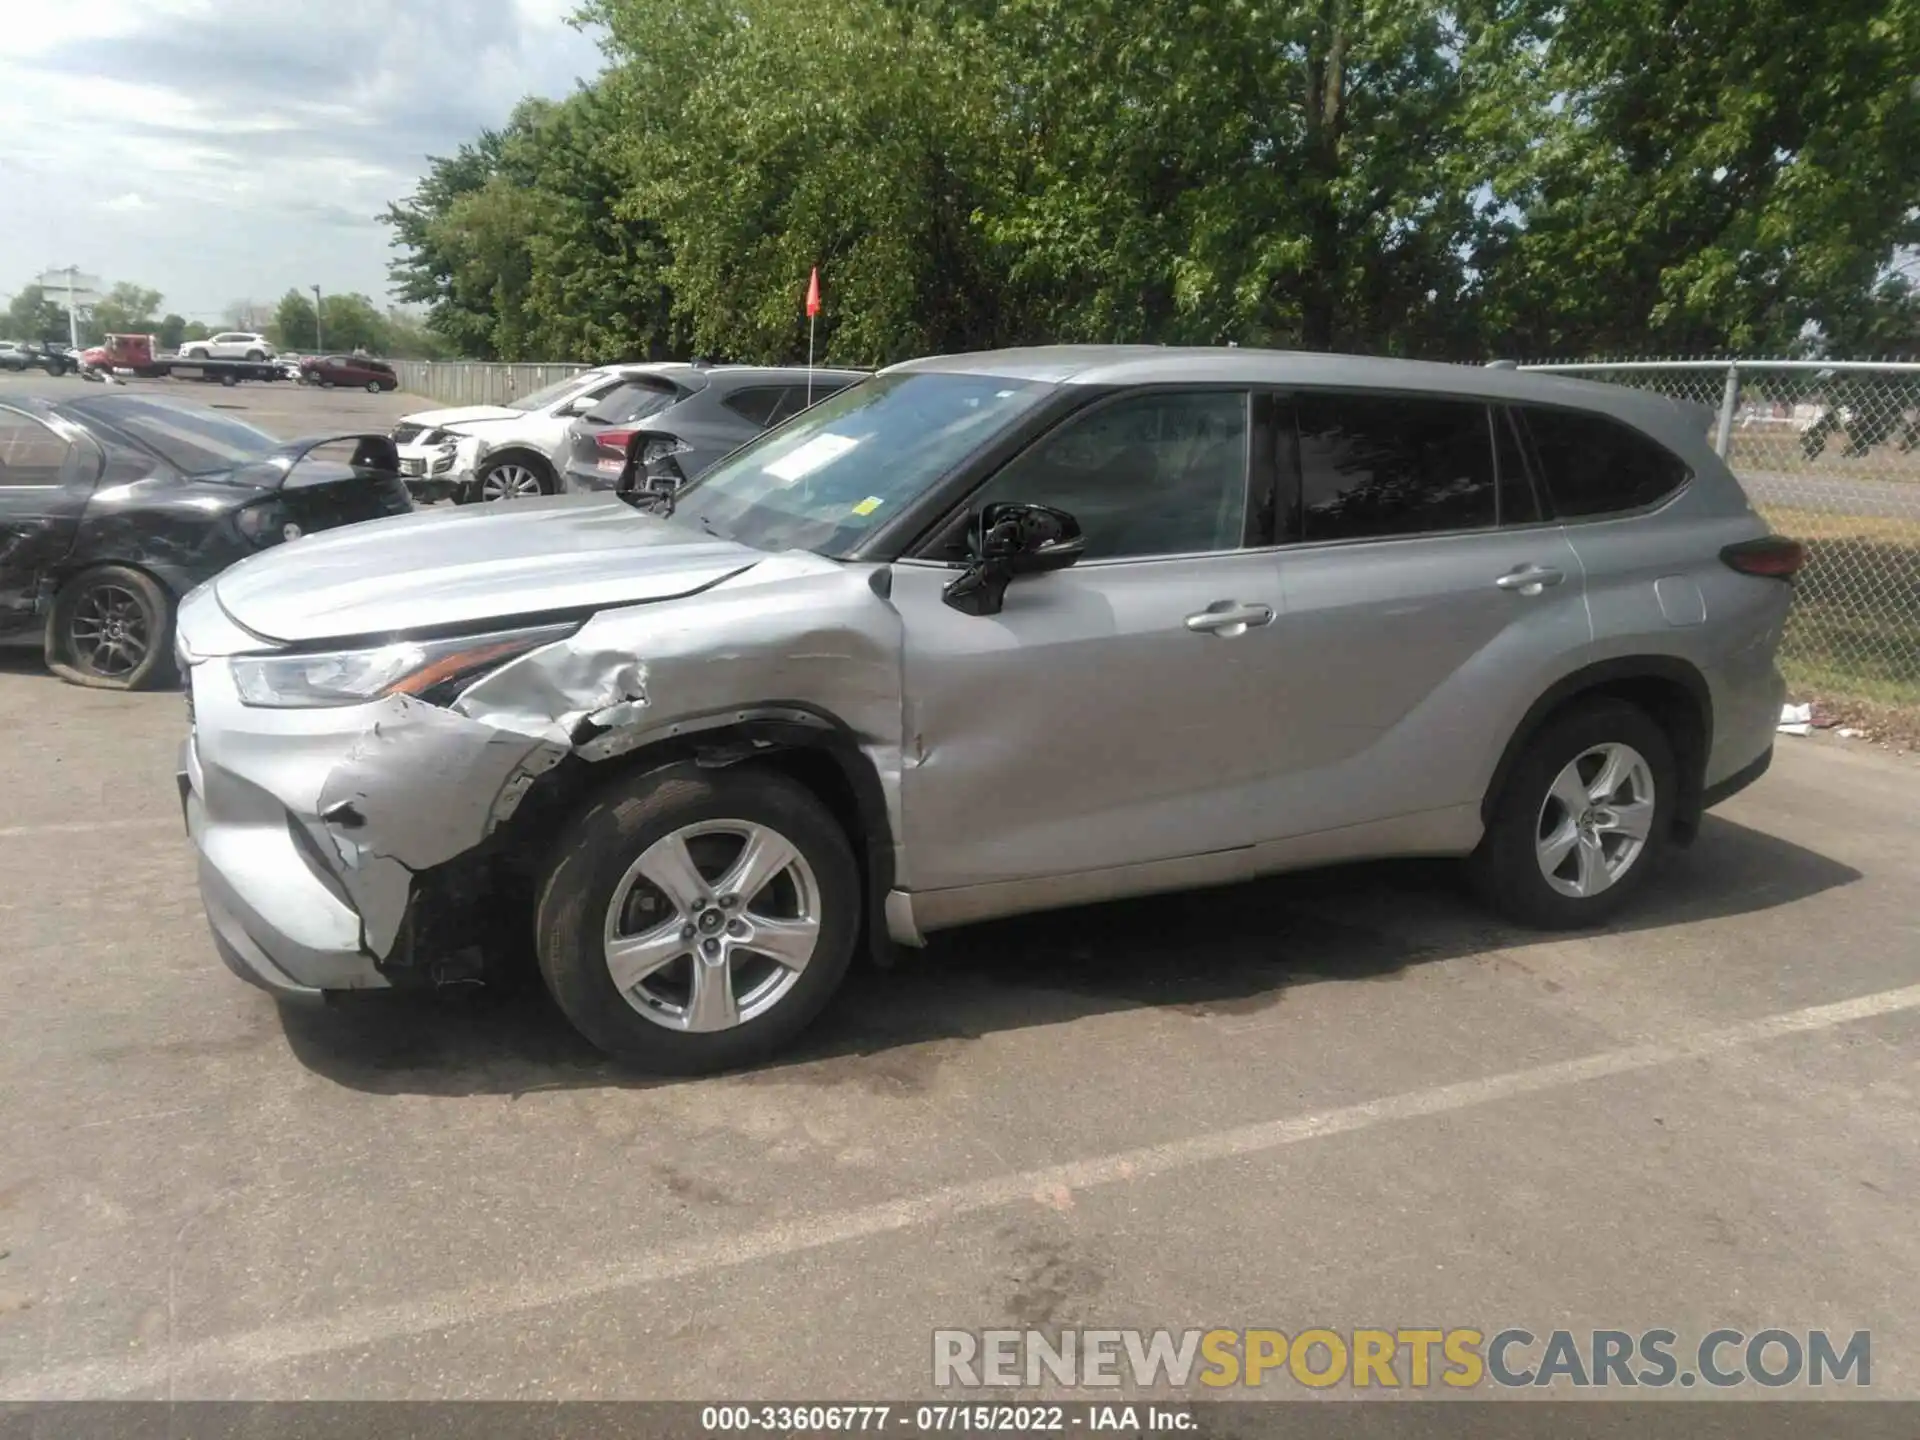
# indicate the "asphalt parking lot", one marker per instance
pixel 1347 1099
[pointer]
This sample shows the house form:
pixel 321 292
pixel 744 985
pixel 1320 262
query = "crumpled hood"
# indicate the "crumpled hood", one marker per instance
pixel 472 566
pixel 461 415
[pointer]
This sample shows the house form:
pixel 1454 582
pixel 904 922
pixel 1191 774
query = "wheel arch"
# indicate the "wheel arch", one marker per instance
pixel 1670 690
pixel 541 462
pixel 804 742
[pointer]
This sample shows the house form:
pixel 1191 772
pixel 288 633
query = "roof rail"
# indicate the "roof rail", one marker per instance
pixel 1503 364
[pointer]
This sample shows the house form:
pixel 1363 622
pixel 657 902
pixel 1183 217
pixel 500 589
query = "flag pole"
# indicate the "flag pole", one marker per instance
pixel 813 315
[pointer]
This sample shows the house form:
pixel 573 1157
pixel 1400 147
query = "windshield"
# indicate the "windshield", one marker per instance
pixel 197 442
pixel 547 394
pixel 836 471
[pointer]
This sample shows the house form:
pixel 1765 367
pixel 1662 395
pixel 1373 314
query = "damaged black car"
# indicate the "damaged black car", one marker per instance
pixel 113 507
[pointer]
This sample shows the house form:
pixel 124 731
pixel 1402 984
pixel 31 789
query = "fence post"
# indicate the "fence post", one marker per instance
pixel 1729 397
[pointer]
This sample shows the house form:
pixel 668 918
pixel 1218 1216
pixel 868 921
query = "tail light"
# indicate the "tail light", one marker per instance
pixel 615 442
pixel 1773 556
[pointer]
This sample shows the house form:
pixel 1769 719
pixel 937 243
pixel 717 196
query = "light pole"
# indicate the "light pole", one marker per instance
pixel 319 342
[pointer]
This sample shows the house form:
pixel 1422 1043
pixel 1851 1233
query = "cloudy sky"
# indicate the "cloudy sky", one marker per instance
pixel 218 150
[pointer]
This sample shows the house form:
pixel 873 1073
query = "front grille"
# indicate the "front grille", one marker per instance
pixel 411 466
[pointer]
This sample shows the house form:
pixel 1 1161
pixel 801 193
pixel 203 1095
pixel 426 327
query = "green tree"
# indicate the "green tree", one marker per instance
pixel 1713 175
pixel 33 315
pixel 173 330
pixel 292 325
pixel 194 330
pixel 349 322
pixel 126 309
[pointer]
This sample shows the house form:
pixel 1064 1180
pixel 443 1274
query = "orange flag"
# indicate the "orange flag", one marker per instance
pixel 813 293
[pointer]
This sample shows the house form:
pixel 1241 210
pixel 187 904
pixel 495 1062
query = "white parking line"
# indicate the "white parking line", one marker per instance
pixel 86 827
pixel 277 1345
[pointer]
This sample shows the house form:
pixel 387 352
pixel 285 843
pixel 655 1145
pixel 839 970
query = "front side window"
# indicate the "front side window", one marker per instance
pixel 1595 466
pixel 1159 473
pixel 1373 466
pixel 830 476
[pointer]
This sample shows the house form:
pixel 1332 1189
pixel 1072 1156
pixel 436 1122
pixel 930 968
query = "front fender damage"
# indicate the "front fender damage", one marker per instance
pixel 424 785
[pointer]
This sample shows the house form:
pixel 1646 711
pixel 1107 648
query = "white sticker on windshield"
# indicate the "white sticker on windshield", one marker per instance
pixel 798 463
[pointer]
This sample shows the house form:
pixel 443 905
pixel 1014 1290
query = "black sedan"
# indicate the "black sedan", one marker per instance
pixel 113 506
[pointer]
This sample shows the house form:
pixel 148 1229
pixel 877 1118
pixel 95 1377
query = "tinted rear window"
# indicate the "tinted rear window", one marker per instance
pixel 634 400
pixel 1595 466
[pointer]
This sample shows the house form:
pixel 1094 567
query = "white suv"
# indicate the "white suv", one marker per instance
pixel 230 345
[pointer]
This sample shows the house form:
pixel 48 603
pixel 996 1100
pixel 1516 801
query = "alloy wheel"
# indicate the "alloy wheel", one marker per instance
pixel 109 635
pixel 1595 819
pixel 712 926
pixel 510 482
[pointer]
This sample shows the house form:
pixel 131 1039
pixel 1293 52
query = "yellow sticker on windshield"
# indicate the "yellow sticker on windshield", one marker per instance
pixel 868 505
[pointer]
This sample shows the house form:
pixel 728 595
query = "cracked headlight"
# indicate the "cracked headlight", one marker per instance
pixel 425 669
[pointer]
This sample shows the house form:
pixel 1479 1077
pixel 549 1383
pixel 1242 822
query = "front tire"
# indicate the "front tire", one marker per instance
pixel 695 920
pixel 199 352
pixel 1579 826
pixel 255 356
pixel 111 629
pixel 373 387
pixel 511 477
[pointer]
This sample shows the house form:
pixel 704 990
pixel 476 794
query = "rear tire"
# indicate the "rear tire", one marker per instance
pixel 1579 827
pixel 111 629
pixel 698 1000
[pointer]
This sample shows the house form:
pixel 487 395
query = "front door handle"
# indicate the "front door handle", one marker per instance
pixel 1530 579
pixel 1228 618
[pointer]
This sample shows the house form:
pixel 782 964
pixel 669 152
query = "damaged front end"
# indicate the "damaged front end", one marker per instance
pixel 354 842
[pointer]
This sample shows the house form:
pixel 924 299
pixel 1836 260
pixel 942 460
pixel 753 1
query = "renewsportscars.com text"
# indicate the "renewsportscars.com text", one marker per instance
pixel 1402 1358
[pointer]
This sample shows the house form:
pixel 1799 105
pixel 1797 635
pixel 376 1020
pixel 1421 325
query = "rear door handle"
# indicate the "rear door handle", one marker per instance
pixel 1530 579
pixel 1228 618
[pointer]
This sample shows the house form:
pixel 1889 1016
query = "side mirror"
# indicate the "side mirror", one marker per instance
pixel 1013 539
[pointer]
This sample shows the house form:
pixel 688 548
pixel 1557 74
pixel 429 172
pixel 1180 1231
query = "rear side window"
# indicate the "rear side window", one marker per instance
pixel 758 404
pixel 30 453
pixel 1382 465
pixel 1595 466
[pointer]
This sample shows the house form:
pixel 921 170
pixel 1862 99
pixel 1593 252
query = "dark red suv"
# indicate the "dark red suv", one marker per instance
pixel 329 370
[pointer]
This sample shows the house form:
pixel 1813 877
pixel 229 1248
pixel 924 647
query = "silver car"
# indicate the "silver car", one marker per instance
pixel 982 635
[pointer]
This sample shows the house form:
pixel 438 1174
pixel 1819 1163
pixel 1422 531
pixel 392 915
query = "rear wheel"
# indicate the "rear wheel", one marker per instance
pixel 695 920
pixel 111 628
pixel 511 478
pixel 1577 829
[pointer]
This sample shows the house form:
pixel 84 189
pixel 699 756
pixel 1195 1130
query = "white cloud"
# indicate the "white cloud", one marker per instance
pixel 242 147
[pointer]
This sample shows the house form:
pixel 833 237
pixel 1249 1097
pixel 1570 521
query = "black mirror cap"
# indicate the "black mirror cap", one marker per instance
pixel 1029 539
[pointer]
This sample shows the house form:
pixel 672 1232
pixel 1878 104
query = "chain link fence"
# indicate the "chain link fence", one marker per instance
pixel 477 382
pixel 1829 452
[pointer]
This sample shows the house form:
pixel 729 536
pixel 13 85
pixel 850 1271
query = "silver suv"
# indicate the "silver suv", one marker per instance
pixel 984 634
